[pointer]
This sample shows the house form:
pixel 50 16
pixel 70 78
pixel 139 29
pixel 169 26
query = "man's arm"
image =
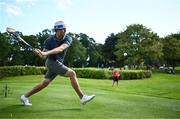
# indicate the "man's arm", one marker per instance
pixel 44 56
pixel 38 52
pixel 55 50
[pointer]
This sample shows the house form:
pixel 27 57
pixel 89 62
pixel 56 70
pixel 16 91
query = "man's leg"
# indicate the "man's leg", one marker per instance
pixel 113 83
pixel 37 88
pixel 114 80
pixel 74 82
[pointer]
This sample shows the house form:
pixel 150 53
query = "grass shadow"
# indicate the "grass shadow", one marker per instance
pixel 30 109
pixel 20 111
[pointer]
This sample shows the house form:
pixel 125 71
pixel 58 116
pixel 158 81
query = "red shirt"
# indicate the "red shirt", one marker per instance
pixel 116 73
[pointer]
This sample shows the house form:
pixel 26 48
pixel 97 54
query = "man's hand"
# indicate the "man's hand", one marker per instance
pixel 39 53
pixel 45 54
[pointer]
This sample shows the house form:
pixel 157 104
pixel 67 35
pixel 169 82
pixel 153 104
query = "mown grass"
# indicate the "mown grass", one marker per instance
pixel 154 98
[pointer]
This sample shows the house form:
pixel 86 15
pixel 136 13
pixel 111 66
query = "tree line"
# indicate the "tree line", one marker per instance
pixel 137 46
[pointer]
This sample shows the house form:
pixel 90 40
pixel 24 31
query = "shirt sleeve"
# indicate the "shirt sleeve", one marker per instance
pixel 68 40
pixel 46 44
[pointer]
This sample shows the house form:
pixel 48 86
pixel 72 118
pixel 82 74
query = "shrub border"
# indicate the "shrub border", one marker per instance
pixel 91 73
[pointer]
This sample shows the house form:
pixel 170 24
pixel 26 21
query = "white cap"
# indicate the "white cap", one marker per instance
pixel 59 25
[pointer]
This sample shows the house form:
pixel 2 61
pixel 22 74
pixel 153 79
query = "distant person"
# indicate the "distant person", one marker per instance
pixel 116 76
pixel 55 48
pixel 111 68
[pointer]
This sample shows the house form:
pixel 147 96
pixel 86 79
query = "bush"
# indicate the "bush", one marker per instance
pixel 95 73
pixel 92 73
pixel 135 74
pixel 177 70
pixel 20 70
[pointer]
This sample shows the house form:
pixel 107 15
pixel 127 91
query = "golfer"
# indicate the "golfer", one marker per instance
pixel 116 76
pixel 55 48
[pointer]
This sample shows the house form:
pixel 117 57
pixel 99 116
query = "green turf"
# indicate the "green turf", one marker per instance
pixel 155 98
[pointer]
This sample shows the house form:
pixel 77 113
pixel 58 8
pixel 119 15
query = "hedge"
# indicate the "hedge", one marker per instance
pixel 91 73
pixel 95 73
pixel 135 74
pixel 21 70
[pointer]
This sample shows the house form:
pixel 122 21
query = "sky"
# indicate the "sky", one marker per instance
pixel 96 18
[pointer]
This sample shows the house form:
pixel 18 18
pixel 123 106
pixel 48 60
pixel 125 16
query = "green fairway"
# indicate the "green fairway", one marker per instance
pixel 154 98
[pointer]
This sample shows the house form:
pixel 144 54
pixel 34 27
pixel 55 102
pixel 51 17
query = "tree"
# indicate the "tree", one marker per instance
pixel 140 44
pixel 29 57
pixel 15 55
pixel 42 36
pixel 109 49
pixel 90 45
pixel 171 49
pixel 76 54
pixel 5 49
pixel 100 59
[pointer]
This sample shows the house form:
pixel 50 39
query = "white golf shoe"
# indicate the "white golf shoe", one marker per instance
pixel 25 101
pixel 86 99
